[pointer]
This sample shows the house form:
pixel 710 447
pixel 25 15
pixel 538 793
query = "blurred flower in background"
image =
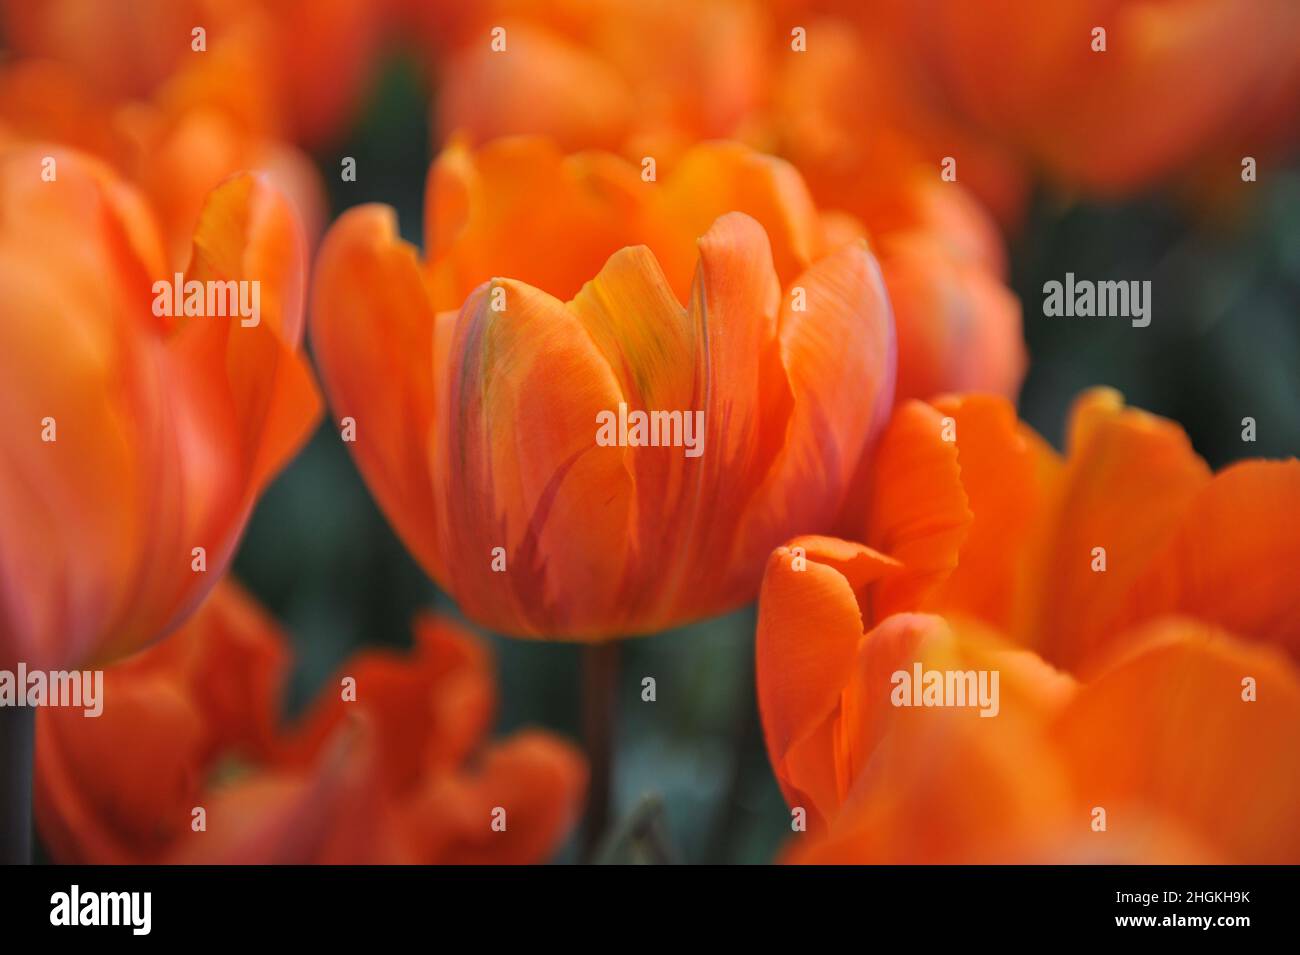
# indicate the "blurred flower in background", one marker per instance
pixel 397 773
pixel 1110 96
pixel 1132 605
pixel 177 130
pixel 309 59
pixel 137 440
pixel 633 78
pixel 175 148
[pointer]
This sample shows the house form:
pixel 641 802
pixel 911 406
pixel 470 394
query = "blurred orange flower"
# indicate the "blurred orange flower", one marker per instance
pixel 1174 81
pixel 137 442
pixel 634 78
pixel 865 142
pixel 311 57
pixel 400 774
pixel 212 117
pixel 715 295
pixel 847 110
pixel 175 148
pixel 641 79
pixel 1155 587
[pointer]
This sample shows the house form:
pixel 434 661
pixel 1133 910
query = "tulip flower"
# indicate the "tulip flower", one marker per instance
pixel 137 437
pixel 850 115
pixel 176 146
pixel 609 74
pixel 388 766
pixel 1110 97
pixel 866 143
pixel 311 57
pixel 491 391
pixel 645 80
pixel 1132 604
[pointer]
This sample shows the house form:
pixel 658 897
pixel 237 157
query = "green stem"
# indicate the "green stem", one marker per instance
pixel 746 738
pixel 599 690
pixel 17 751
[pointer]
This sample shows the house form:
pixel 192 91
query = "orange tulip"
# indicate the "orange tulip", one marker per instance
pixel 849 113
pixel 487 387
pixel 610 74
pixel 864 141
pixel 176 147
pixel 1173 81
pixel 398 774
pixel 137 443
pixel 651 79
pixel 312 57
pixel 1155 587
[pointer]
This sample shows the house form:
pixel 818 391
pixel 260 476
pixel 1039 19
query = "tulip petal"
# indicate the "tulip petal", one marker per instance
pixel 249 233
pixel 647 339
pixel 734 306
pixel 164 705
pixel 1129 478
pixel 518 467
pixel 713 179
pixel 956 795
pixel 999 459
pixel 373 330
pixel 837 349
pixel 532 782
pixel 865 710
pixel 858 564
pixel 1168 731
pixel 464 689
pixel 520 208
pixel 943 784
pixel 958 325
pixel 920 514
pixel 1027 689
pixel 1234 557
pixel 747 402
pixel 809 626
pixel 81 493
pixel 233 635
pixel 116 789
pixel 240 400
pixel 328 815
pixel 545 85
pixel 429 712
pixel 640 328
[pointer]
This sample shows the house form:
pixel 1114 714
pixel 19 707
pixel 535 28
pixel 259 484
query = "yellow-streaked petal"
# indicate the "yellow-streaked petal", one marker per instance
pixel 837 349
pixel 516 466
